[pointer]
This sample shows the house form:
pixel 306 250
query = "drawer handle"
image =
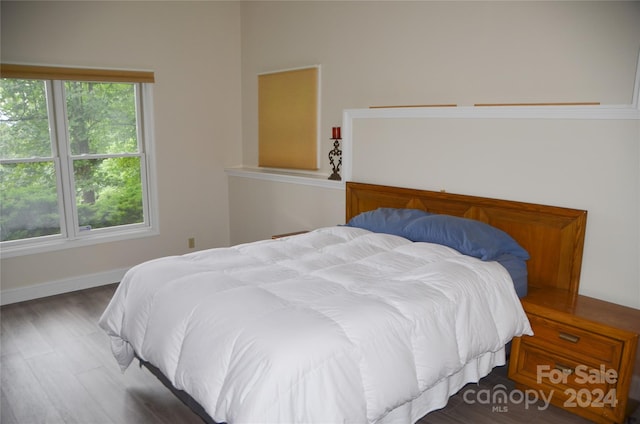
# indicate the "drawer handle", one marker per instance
pixel 564 368
pixel 569 337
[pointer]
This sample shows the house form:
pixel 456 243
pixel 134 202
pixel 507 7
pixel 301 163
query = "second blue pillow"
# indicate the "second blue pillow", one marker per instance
pixel 468 236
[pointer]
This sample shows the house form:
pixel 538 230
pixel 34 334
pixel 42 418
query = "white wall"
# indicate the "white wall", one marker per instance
pixel 194 50
pixel 403 53
pixel 206 56
pixel 262 209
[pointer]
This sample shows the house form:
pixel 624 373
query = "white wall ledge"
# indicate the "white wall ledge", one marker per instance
pixel 614 112
pixel 284 176
pixel 578 112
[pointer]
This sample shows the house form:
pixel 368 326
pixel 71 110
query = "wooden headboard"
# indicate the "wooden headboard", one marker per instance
pixel 553 236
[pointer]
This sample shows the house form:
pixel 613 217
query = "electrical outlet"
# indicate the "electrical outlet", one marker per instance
pixel 192 242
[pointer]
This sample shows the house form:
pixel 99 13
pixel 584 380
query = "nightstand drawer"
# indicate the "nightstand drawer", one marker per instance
pixel 561 373
pixel 591 348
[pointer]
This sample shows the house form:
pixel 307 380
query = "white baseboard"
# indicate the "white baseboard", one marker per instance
pixel 36 291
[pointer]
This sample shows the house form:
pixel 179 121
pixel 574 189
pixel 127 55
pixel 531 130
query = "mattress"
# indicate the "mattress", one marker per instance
pixel 337 325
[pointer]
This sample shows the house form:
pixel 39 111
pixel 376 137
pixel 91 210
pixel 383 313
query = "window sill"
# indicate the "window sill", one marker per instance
pixel 56 244
pixel 283 176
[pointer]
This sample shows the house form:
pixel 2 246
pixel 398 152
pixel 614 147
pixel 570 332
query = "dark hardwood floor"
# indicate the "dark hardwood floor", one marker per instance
pixel 56 367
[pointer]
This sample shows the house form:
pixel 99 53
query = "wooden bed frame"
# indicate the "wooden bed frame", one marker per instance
pixel 553 236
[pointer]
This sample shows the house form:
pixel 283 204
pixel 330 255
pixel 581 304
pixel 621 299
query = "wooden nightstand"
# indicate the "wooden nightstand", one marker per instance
pixel 582 353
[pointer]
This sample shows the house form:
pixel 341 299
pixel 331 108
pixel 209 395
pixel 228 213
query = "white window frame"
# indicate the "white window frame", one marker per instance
pixel 70 234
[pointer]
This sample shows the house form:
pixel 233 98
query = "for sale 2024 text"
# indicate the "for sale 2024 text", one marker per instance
pixel 583 397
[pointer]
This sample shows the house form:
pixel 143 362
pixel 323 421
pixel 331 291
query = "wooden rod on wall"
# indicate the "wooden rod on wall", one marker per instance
pixel 400 106
pixel 541 104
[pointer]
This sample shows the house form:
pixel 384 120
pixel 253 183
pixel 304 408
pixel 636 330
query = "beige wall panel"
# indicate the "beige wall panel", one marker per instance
pixel 287 119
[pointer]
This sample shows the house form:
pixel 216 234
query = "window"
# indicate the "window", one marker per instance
pixel 74 157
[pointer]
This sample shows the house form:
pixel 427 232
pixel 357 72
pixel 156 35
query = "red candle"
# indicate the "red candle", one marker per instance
pixel 335 133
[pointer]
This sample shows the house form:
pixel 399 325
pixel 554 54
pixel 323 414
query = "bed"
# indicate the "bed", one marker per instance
pixel 345 323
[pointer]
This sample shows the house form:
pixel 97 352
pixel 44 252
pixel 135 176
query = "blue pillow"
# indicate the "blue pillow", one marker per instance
pixel 386 220
pixel 517 268
pixel 468 236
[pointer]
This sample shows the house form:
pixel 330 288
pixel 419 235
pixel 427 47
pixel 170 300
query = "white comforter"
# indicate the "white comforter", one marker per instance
pixel 336 325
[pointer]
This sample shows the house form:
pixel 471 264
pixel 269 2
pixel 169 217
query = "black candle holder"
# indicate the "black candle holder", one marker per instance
pixel 334 154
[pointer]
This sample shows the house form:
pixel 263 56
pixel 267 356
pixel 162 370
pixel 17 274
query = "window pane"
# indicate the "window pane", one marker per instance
pixel 24 124
pixel 101 117
pixel 108 192
pixel 28 199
